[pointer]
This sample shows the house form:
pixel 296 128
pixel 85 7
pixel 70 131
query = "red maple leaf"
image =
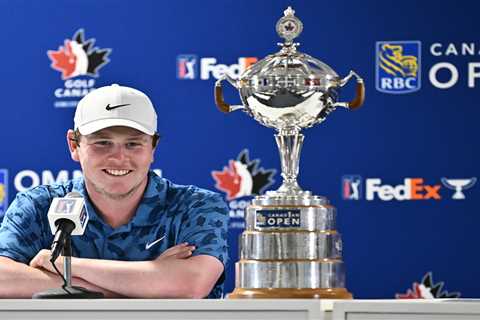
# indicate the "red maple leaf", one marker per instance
pixel 228 180
pixel 411 294
pixel 63 60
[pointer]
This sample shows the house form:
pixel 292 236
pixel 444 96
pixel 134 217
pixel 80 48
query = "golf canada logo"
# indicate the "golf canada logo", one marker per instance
pixel 427 289
pixel 242 178
pixel 79 61
pixel 411 189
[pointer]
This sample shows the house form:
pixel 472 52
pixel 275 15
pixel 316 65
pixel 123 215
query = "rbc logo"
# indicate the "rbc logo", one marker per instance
pixel 187 66
pixel 351 187
pixel 3 192
pixel 398 66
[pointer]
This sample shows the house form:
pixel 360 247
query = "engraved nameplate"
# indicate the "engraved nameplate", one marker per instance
pixel 277 218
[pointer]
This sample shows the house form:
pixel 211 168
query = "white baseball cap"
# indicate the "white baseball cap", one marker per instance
pixel 115 106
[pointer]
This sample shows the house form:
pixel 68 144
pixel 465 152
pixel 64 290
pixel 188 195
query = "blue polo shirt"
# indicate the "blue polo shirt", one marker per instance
pixel 168 214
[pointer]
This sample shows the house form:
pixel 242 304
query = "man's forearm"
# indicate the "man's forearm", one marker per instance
pixel 170 278
pixel 18 280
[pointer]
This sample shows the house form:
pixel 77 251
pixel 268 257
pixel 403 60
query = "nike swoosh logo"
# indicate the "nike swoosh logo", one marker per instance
pixel 151 244
pixel 115 107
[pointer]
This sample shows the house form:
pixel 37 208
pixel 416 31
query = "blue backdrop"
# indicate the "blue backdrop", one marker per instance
pixel 173 50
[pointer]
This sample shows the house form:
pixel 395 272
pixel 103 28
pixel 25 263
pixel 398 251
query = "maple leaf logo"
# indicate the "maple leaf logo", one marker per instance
pixel 78 57
pixel 243 177
pixel 427 290
pixel 290 26
pixel 228 180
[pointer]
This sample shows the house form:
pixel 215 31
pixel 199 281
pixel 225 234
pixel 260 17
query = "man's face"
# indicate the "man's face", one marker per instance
pixel 115 161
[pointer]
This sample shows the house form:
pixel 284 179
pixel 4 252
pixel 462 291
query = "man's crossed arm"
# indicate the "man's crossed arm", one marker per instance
pixel 174 274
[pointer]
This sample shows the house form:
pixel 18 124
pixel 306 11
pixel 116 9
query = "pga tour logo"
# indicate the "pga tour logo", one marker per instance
pixel 190 67
pixel 398 67
pixel 187 66
pixel 351 187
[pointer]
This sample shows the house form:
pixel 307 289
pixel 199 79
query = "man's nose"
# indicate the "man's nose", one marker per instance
pixel 118 152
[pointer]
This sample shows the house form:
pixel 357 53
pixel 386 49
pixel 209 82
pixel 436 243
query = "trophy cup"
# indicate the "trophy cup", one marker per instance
pixel 459 185
pixel 290 247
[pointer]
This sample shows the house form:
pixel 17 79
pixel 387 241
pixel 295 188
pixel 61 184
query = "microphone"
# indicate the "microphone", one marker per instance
pixel 66 216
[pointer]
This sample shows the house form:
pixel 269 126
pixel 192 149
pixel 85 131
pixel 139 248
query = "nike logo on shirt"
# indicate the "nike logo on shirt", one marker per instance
pixel 151 244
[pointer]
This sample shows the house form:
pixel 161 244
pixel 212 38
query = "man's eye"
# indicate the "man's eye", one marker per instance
pixel 133 144
pixel 103 143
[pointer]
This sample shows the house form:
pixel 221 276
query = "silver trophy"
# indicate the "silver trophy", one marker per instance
pixel 290 247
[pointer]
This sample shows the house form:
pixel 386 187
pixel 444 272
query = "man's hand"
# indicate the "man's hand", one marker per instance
pixel 42 261
pixel 180 251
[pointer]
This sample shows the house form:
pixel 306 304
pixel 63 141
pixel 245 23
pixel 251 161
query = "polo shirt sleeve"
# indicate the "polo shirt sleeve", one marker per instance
pixel 21 229
pixel 205 225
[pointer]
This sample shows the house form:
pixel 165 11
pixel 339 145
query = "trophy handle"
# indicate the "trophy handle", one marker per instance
pixel 357 102
pixel 219 101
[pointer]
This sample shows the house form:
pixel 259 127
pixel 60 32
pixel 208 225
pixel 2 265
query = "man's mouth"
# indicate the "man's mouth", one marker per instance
pixel 117 173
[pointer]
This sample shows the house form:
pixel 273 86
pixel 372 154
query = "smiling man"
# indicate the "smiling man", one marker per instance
pixel 146 237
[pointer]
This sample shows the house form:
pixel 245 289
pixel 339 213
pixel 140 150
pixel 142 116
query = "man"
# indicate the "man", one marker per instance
pixel 146 237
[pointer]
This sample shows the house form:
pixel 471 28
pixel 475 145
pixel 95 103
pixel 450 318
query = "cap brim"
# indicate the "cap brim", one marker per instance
pixel 95 126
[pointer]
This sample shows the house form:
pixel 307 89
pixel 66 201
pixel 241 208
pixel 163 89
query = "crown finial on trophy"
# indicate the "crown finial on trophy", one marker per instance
pixel 289 12
pixel 289 27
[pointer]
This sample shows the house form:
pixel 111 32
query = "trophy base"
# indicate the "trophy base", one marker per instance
pixel 290 293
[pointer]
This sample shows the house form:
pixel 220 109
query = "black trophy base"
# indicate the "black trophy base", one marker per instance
pixel 68 293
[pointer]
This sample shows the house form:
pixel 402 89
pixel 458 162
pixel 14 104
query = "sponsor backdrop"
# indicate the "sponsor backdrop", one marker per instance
pixel 402 171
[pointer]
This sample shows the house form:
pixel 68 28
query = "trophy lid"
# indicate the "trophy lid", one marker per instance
pixel 289 68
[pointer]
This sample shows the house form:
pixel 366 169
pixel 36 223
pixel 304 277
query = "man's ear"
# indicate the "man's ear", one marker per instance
pixel 155 140
pixel 73 145
pixel 153 154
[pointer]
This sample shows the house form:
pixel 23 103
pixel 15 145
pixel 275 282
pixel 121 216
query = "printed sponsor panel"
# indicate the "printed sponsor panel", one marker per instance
pixel 425 67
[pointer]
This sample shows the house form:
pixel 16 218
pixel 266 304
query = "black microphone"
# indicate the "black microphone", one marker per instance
pixel 64 229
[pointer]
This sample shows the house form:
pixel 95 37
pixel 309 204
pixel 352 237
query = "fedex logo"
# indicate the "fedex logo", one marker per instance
pixel 411 189
pixel 190 67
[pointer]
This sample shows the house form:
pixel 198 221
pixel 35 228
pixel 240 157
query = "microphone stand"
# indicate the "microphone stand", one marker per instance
pixel 67 291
